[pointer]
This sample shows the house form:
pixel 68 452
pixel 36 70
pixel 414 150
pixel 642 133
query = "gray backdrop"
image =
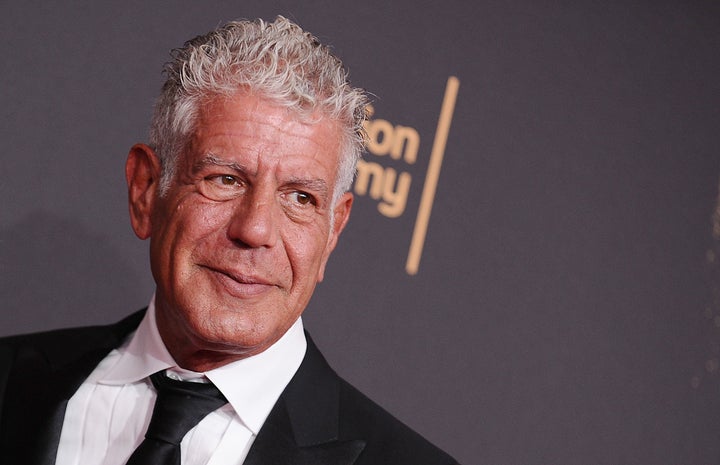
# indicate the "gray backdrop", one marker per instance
pixel 566 306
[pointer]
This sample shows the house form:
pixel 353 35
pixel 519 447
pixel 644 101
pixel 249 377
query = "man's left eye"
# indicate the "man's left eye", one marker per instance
pixel 227 180
pixel 303 198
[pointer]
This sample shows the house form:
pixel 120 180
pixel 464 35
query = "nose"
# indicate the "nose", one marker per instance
pixel 255 221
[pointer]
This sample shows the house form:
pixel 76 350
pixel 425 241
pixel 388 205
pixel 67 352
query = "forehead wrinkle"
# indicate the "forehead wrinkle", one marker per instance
pixel 256 124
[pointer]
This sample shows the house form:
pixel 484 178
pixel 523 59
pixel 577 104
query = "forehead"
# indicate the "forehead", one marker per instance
pixel 256 129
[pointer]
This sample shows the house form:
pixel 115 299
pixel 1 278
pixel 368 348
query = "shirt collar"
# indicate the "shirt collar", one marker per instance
pixel 251 385
pixel 143 355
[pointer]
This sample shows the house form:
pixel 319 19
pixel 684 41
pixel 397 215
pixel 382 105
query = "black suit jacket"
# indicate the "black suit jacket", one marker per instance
pixel 319 419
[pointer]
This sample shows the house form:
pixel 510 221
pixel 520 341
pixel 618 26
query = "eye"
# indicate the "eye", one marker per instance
pixel 225 180
pixel 303 198
pixel 221 187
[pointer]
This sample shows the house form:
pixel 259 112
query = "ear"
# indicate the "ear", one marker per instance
pixel 341 215
pixel 142 172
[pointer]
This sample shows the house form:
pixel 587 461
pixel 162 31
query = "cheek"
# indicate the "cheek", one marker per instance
pixel 191 227
pixel 306 252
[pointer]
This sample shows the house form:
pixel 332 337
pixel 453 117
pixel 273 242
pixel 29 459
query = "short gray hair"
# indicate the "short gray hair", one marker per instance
pixel 277 60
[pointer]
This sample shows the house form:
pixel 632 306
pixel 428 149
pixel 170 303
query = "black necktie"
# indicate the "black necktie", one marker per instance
pixel 180 405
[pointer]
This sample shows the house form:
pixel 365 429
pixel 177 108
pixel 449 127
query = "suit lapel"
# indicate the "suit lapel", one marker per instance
pixel 302 428
pixel 43 378
pixel 276 445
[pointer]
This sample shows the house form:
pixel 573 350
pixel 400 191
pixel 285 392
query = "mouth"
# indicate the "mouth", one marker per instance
pixel 240 285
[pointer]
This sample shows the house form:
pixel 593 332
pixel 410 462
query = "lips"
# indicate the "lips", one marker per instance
pixel 240 285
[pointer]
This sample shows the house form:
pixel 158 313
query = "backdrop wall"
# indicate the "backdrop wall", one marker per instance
pixel 560 303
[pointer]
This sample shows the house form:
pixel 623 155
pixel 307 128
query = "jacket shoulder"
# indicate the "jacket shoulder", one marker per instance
pixel 66 343
pixel 389 441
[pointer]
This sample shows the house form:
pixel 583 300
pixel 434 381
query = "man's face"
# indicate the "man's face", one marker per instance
pixel 242 236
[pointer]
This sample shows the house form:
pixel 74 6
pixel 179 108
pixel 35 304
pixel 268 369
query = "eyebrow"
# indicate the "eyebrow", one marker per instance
pixel 211 159
pixel 316 185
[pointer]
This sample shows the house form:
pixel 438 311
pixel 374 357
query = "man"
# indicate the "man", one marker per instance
pixel 243 193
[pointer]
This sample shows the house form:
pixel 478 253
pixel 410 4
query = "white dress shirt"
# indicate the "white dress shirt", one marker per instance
pixel 107 417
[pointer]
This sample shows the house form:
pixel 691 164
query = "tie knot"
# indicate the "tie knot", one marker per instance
pixel 180 405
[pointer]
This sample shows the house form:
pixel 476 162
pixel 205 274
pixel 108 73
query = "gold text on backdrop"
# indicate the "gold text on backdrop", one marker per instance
pixel 390 188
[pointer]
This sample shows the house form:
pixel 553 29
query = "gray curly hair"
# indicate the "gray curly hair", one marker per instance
pixel 277 60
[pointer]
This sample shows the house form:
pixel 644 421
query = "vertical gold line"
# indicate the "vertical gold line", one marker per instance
pixel 433 174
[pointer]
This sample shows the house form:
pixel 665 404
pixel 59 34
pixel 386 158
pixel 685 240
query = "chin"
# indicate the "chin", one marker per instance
pixel 235 332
